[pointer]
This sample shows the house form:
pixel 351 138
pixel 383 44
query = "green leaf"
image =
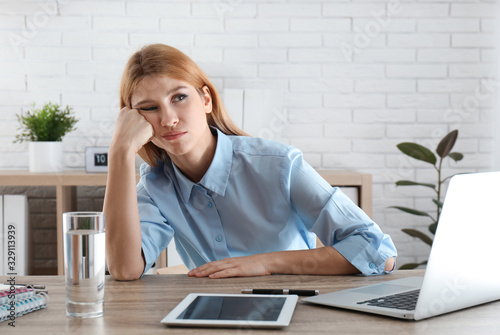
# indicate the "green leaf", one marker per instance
pixel 417 151
pixel 411 266
pixel 456 156
pixel 50 123
pixel 438 203
pixel 418 234
pixel 433 227
pixel 444 147
pixel 412 183
pixel 411 211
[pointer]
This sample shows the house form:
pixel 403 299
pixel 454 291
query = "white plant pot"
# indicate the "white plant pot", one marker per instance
pixel 46 156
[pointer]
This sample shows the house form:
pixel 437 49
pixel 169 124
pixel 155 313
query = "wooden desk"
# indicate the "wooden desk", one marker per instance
pixel 67 181
pixel 137 308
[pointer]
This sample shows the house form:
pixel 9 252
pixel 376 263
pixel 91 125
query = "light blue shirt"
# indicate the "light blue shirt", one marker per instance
pixel 257 196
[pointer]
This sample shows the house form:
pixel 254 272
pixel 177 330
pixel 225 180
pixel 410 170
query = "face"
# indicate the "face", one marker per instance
pixel 177 112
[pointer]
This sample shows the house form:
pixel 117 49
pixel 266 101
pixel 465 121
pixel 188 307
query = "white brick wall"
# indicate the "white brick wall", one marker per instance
pixel 358 77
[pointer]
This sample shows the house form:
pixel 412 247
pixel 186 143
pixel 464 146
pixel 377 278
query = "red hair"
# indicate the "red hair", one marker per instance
pixel 161 59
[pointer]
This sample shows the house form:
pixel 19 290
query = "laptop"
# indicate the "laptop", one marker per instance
pixel 462 270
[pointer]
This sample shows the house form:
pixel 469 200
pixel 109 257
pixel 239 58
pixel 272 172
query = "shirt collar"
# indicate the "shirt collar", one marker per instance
pixel 217 175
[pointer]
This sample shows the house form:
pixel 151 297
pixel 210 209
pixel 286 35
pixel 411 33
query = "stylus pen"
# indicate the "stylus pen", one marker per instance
pixel 280 291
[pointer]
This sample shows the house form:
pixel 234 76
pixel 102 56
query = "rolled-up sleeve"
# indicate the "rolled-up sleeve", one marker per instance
pixel 155 230
pixel 334 218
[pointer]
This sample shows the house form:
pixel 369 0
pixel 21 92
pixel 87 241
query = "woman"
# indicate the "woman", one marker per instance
pixel 235 205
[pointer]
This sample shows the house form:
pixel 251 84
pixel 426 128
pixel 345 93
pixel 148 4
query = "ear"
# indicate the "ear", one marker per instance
pixel 207 99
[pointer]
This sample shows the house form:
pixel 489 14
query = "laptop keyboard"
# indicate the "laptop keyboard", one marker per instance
pixel 405 301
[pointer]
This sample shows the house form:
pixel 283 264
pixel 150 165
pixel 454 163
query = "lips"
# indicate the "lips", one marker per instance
pixel 173 135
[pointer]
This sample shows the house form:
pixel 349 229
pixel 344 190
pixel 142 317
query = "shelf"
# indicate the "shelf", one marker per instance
pixel 67 181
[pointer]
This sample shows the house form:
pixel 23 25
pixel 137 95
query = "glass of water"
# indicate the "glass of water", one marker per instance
pixel 84 263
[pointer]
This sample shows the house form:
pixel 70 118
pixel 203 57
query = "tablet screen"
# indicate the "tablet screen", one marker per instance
pixel 233 308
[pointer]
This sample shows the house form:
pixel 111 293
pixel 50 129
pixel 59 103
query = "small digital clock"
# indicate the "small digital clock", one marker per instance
pixel 101 159
pixel 96 159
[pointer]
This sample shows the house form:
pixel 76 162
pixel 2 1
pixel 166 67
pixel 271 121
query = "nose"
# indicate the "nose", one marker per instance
pixel 168 117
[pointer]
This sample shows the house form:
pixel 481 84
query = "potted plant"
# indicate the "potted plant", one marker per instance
pixel 421 153
pixel 44 129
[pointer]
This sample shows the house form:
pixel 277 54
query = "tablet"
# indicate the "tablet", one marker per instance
pixel 233 311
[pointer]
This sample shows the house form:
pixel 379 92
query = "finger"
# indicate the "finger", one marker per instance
pixel 210 268
pixel 204 266
pixel 232 272
pixel 197 272
pixel 208 271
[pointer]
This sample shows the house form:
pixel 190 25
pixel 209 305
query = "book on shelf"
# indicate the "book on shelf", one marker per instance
pixel 18 300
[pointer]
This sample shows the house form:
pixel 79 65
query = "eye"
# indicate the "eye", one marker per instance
pixel 179 97
pixel 148 109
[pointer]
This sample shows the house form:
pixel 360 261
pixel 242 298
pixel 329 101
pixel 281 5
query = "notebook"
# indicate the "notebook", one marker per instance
pixel 462 270
pixel 18 300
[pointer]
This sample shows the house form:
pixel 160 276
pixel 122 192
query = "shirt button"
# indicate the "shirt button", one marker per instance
pixel 218 238
pixel 372 265
pixel 209 205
